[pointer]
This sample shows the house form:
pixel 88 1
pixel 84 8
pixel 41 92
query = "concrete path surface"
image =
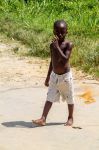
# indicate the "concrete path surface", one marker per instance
pixel 18 106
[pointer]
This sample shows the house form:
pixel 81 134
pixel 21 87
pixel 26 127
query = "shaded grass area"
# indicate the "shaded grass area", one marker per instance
pixel 86 55
pixel 32 23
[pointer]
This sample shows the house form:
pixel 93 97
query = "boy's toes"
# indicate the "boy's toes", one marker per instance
pixel 39 122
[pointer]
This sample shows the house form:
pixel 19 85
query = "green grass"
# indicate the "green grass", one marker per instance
pixel 32 23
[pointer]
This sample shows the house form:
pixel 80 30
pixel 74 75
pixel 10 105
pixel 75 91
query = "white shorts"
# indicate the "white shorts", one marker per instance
pixel 61 85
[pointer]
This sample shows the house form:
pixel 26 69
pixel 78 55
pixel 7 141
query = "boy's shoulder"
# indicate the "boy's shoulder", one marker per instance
pixel 69 44
pixel 51 45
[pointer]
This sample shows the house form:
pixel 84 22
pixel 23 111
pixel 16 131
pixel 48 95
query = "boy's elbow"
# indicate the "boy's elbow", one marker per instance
pixel 65 58
pixel 71 45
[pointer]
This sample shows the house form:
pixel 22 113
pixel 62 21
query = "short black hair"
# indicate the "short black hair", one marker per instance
pixel 58 22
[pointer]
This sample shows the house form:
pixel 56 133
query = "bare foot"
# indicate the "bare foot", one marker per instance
pixel 69 122
pixel 39 122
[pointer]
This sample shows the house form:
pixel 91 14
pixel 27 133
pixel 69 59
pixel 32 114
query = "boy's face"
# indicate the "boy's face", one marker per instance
pixel 60 31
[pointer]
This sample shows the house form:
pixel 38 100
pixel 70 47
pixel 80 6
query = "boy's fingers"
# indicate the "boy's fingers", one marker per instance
pixel 54 40
pixel 57 37
pixel 46 85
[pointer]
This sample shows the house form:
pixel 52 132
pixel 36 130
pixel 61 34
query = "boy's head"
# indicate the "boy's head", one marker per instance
pixel 60 29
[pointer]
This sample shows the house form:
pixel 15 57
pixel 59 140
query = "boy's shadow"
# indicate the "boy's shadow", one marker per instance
pixel 23 124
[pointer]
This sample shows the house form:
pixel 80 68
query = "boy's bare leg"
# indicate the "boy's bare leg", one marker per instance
pixel 70 116
pixel 42 120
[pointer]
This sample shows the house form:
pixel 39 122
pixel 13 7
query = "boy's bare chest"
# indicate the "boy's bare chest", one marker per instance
pixel 62 47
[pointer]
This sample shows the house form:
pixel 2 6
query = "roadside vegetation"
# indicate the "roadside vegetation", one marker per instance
pixel 31 23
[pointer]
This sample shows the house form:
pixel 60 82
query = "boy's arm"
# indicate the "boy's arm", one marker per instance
pixel 67 54
pixel 48 74
pixel 63 56
pixel 49 71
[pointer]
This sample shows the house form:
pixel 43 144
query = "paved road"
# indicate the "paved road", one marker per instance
pixel 18 106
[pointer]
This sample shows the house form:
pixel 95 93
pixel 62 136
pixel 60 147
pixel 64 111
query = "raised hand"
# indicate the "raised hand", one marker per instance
pixel 55 42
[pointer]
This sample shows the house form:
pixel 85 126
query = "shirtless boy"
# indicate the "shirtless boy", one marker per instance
pixel 59 77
